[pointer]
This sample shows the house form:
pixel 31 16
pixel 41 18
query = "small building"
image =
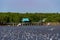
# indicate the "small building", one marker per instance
pixel 26 21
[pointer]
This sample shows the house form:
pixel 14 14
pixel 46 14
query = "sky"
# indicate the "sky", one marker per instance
pixel 29 5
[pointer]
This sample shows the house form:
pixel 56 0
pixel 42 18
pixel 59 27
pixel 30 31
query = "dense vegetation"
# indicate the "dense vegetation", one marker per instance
pixel 34 17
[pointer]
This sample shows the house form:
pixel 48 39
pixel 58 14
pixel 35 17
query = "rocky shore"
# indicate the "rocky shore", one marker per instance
pixel 32 24
pixel 52 23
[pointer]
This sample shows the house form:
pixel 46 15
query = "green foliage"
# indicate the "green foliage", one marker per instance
pixel 34 17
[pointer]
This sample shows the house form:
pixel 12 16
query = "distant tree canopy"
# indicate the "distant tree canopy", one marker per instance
pixel 9 17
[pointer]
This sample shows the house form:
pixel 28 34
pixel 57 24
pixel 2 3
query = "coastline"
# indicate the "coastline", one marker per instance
pixel 33 24
pixel 52 23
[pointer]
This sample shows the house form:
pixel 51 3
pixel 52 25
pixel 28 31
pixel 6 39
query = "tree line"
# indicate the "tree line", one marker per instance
pixel 10 17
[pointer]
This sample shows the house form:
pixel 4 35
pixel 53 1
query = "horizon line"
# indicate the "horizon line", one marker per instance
pixel 30 12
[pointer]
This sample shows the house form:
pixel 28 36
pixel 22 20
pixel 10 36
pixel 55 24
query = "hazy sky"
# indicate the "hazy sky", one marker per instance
pixel 29 5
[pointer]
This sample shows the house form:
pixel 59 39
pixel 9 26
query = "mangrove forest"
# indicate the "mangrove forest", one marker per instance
pixel 10 17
